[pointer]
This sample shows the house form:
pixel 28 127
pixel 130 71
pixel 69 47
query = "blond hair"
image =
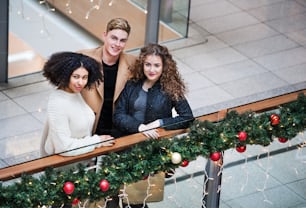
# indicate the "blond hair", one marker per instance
pixel 118 23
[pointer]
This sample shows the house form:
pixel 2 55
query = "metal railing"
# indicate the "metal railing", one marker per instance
pixel 211 196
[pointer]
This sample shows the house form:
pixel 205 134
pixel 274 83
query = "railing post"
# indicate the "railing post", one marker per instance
pixel 212 183
pixel 152 24
pixel 4 33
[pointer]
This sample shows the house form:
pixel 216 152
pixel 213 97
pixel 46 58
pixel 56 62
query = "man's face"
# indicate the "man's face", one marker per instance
pixel 115 41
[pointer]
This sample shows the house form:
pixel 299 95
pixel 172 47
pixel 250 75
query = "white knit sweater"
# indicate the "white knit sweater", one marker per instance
pixel 69 126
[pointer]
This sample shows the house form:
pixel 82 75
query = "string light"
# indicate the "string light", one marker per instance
pixel 21 12
pixel 94 7
pixel 267 176
pixel 68 8
pixel 205 193
pixel 49 8
pixel 244 167
pixel 110 3
pixel 84 205
pixel 105 204
pixel 172 197
pixel 148 190
pixel 299 153
pixel 123 196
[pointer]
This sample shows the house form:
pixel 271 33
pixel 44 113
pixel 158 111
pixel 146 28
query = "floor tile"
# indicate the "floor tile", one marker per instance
pixel 266 46
pixel 232 72
pixel 280 197
pixel 22 81
pixel 184 69
pixel 212 44
pixel 298 36
pixel 28 147
pixel 208 96
pixel 258 83
pixel 19 125
pixel 246 4
pixel 294 74
pixel 302 2
pixel 213 9
pixel 283 59
pixel 214 59
pixel 299 188
pixel 180 195
pixel 28 89
pixel 228 22
pixel 277 10
pixel 34 102
pixel 246 34
pixel 9 108
pixel 243 180
pixel 288 170
pixel 289 24
pixel 3 163
pixel 3 97
pixel 197 81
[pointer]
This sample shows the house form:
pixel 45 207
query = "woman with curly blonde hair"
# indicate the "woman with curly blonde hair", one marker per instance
pixel 149 97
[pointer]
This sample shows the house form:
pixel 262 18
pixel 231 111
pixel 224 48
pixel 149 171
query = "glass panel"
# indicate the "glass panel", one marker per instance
pixel 40 28
pixel 35 26
pixel 272 176
pixel 173 13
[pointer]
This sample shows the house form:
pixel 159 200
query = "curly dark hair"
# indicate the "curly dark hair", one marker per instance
pixel 61 65
pixel 170 80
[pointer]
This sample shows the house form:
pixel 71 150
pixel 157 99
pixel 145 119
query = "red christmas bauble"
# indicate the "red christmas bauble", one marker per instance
pixel 215 156
pixel 282 140
pixel 75 201
pixel 68 187
pixel 274 118
pixel 241 149
pixel 242 136
pixel 184 163
pixel 104 185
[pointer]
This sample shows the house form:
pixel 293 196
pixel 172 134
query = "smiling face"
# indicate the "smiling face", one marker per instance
pixel 114 42
pixel 153 68
pixel 78 80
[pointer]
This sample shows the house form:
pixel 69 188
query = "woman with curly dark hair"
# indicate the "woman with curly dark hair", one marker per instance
pixel 148 99
pixel 69 125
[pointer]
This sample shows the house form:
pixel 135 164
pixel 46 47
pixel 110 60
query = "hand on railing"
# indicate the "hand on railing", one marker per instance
pixel 149 130
pixel 153 133
pixel 106 141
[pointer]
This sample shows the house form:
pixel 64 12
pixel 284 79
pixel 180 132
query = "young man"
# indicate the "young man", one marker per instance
pixel 115 71
pixel 115 64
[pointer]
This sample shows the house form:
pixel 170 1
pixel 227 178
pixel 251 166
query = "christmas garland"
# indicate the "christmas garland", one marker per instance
pixel 55 187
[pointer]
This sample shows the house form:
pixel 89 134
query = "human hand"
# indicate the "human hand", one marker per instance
pixel 153 133
pixel 153 125
pixel 106 141
pixel 149 130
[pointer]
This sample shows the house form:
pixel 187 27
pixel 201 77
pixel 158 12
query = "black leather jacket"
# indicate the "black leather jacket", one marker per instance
pixel 159 106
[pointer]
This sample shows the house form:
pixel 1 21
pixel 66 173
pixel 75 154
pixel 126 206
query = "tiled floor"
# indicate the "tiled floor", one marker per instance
pixel 238 51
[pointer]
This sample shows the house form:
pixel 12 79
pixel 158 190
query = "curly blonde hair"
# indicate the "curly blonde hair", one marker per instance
pixel 170 79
